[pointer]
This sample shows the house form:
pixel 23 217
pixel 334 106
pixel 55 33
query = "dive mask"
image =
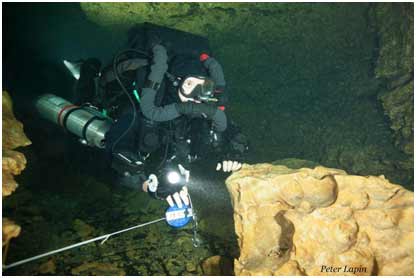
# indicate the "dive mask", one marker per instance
pixel 197 88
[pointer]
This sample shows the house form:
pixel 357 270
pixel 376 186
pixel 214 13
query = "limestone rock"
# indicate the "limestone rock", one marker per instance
pixel 13 134
pixel 13 162
pixel 95 268
pixel 217 266
pixel 320 221
pixel 10 230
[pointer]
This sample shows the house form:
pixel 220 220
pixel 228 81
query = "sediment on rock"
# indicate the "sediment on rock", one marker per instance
pixel 294 221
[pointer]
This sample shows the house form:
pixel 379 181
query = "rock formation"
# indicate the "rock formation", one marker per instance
pixel 394 26
pixel 320 221
pixel 13 162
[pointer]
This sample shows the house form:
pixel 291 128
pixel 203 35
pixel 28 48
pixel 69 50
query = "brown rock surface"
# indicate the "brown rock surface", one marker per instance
pixel 13 134
pixel 305 221
pixel 13 162
pixel 10 230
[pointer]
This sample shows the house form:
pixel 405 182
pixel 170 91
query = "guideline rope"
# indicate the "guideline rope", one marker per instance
pixel 103 238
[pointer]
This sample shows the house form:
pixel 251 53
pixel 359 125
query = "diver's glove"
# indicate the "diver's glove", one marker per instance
pixel 179 198
pixel 170 186
pixel 229 166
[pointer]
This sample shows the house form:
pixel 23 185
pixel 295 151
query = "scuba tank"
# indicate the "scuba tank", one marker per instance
pixel 85 122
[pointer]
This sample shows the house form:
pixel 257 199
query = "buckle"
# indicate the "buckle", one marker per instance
pixel 152 85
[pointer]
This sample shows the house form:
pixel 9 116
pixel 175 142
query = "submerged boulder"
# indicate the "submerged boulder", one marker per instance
pixel 320 221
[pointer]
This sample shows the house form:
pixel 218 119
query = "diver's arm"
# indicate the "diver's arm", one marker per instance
pixel 154 113
pixel 147 104
pixel 214 69
pixel 211 112
pixel 217 74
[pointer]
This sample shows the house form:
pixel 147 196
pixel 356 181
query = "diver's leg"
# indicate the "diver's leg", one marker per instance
pixel 85 86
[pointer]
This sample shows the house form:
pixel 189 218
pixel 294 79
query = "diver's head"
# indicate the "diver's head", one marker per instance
pixel 196 88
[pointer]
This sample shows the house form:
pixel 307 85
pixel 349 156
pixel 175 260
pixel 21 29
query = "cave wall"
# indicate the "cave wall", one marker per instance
pixel 394 24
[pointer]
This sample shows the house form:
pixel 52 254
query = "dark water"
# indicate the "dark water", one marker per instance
pixel 313 101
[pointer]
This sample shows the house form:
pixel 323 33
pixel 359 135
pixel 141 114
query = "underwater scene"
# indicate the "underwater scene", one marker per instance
pixel 208 139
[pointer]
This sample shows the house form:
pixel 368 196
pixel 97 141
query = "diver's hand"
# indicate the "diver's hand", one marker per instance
pixel 151 184
pixel 229 166
pixel 179 198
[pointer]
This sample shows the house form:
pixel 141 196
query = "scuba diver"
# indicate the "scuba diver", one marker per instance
pixel 167 109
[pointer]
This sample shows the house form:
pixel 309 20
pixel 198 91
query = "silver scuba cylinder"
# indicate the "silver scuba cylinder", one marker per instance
pixel 85 122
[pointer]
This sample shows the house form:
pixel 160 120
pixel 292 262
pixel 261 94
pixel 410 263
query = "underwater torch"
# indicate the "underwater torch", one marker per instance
pixel 84 121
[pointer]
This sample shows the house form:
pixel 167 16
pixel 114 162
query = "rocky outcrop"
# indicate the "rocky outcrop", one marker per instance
pixel 393 23
pixel 13 161
pixel 320 221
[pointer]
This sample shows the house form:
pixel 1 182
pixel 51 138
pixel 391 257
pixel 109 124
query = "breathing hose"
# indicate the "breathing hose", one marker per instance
pixel 117 76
